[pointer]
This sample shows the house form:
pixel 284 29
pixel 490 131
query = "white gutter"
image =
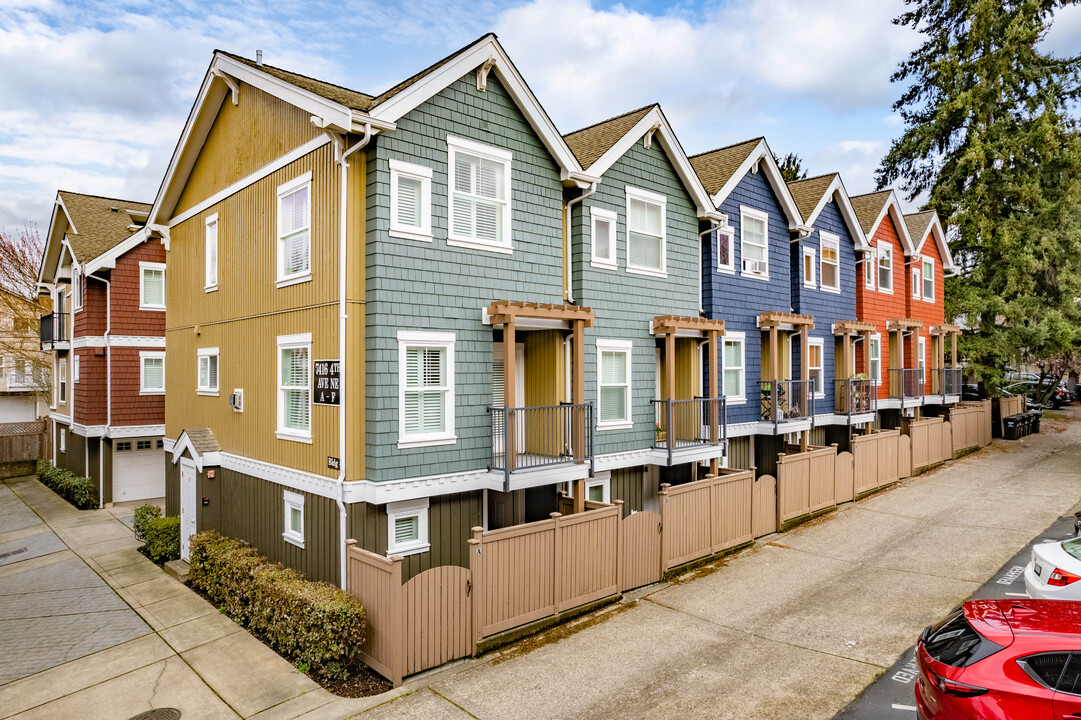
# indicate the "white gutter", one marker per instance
pixel 108 388
pixel 570 238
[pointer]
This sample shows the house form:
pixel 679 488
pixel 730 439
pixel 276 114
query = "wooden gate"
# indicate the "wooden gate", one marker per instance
pixel 805 482
pixel 843 482
pixel 764 506
pixel 875 460
pixel 640 550
pixel 904 456
pixel 438 617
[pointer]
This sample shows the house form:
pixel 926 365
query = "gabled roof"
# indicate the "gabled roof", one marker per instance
pixel 341 110
pixel 91 225
pixel 722 169
pixel 201 444
pixel 599 146
pixel 923 225
pixel 873 207
pixel 812 194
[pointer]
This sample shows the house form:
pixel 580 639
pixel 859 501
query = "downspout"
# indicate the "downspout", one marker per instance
pixel 108 387
pixel 714 226
pixel 569 269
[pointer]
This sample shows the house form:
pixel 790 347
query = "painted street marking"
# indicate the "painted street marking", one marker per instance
pixel 1011 575
pixel 1024 595
pixel 911 708
pixel 907 673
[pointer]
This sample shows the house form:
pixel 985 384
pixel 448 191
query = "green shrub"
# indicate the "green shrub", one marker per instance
pixel 163 539
pixel 82 492
pixel 143 515
pixel 313 624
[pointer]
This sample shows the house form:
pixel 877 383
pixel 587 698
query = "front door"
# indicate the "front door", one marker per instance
pixel 187 506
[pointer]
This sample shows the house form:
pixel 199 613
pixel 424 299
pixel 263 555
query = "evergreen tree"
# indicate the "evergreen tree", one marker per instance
pixel 791 166
pixel 990 141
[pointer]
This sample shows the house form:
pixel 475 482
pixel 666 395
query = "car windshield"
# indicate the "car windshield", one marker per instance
pixel 1073 547
pixel 954 642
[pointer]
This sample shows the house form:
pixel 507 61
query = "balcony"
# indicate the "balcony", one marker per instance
pixel 906 384
pixel 688 424
pixel 54 330
pixel 783 401
pixel 532 438
pixel 946 381
pixel 854 397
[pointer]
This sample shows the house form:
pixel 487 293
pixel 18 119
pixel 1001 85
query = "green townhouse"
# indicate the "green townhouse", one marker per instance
pixel 395 317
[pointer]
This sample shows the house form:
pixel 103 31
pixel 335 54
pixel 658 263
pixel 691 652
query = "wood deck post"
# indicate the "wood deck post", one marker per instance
pixel 953 349
pixel 714 406
pixel 942 364
pixel 867 355
pixel 509 386
pixel 806 399
pixel 774 356
pixel 578 389
pixel 476 575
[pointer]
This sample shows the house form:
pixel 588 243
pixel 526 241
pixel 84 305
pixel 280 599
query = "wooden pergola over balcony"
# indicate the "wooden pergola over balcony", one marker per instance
pixel 775 321
pixel 904 382
pixel 668 327
pixel 853 397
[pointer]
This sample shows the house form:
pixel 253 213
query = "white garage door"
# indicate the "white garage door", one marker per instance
pixel 138 470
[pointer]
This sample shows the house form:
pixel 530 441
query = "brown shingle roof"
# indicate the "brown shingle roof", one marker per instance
pixel 589 143
pixel 868 207
pixel 918 224
pixel 717 167
pixel 808 192
pixel 203 440
pixel 100 223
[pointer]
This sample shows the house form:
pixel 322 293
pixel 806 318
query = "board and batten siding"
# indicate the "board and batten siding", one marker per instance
pixel 627 485
pixel 739 299
pixel 624 303
pixel 431 286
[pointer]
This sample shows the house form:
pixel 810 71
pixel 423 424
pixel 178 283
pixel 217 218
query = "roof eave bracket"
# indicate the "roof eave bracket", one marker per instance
pixel 482 73
pixel 234 88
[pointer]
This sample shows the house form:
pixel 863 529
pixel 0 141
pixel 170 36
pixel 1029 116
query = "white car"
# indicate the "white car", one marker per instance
pixel 1054 573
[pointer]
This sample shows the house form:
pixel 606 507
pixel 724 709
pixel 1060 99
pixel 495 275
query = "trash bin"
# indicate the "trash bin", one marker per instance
pixel 1026 424
pixel 1036 415
pixel 1012 427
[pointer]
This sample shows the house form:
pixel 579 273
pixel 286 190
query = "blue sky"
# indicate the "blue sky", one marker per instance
pixel 96 94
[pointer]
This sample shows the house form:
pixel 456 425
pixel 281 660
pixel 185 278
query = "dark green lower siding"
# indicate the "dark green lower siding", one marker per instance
pixel 766 450
pixel 73 459
pixel 741 452
pixel 627 486
pixel 172 485
pixel 450 522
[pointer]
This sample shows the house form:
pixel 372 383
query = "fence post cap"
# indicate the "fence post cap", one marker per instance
pixel 350 541
pixel 555 515
pixel 396 558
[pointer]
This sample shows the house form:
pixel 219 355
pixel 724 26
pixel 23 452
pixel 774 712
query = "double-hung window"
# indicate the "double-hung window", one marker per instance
pixel 603 234
pixel 815 364
pixel 208 371
pixel 294 518
pixel 407 527
pixel 151 286
pixel 870 258
pixel 874 347
pixel 480 196
pixel 830 246
pixel 614 383
pixel 62 381
pixel 410 201
pixel 151 373
pixel 734 367
pixel 754 242
pixel 211 280
pixel 76 290
pixel 294 231
pixel 921 360
pixel 294 387
pixel 809 268
pixel 646 232
pixel 885 269
pixel 425 388
pixel 75 369
pixel 725 252
pixel 929 280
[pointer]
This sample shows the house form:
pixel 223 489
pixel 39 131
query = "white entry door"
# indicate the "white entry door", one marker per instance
pixel 187 506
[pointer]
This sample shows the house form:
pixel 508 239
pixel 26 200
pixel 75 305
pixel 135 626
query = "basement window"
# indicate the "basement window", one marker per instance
pixel 407 527
pixel 294 518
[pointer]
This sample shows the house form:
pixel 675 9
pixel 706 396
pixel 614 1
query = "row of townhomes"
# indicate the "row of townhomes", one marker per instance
pixel 395 318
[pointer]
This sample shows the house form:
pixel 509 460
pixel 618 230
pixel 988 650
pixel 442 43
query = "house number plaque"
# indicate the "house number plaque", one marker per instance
pixel 327 382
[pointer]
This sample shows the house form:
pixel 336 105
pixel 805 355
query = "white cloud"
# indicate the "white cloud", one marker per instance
pixel 1064 37
pixel 856 160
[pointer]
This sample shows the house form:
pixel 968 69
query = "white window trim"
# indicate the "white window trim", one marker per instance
pixel 293 185
pixel 602 480
pixel 413 338
pixel 624 346
pixel 495 154
pixel 595 214
pixel 742 338
pixel 401 510
pixel 811 282
pixel 422 173
pixel 143 267
pixel 928 298
pixel 870 259
pixel 62 381
pixel 285 342
pixel 200 354
pixel 63 440
pixel 293 501
pixel 884 250
pixel 75 368
pixel 143 357
pixel 821 345
pixel 877 337
pixel 76 290
pixel 208 286
pixel 917 283
pixel 746 212
pixel 633 193
pixel 825 238
pixel 730 268
pixel 921 352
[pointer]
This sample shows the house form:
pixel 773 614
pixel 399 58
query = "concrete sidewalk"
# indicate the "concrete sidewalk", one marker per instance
pixel 795 627
pixel 92 629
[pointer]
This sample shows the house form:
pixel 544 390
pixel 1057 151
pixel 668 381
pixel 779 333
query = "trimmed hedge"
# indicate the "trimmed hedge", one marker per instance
pixel 160 534
pixel 317 626
pixel 81 492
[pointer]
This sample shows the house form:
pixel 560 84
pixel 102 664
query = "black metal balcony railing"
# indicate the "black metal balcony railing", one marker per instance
pixel 785 400
pixel 54 328
pixel 689 423
pixel 906 383
pixel 853 397
pixel 948 381
pixel 527 438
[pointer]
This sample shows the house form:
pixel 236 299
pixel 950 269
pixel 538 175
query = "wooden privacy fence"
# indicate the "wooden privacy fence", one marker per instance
pixel 971 422
pixel 932 442
pixel 844 479
pixel 876 460
pixel 806 482
pixel 705 517
pixel 23 441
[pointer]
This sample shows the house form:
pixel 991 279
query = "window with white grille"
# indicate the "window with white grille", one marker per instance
pixel 208 371
pixel 152 373
pixel 426 388
pixel 294 230
pixel 410 201
pixel 480 196
pixel 407 527
pixel 646 232
pixel 294 387
pixel 754 242
pixel 152 286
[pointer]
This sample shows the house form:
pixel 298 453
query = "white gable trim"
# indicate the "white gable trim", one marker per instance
pixel 762 153
pixel 107 260
pixel 655 119
pixel 55 242
pixel 184 443
pixel 935 228
pixel 893 207
pixel 837 191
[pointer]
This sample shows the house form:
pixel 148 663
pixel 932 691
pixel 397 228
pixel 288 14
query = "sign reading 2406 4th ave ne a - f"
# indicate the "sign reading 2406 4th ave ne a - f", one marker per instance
pixel 327 376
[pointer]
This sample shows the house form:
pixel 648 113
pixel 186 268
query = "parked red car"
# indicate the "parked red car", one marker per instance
pixel 1008 659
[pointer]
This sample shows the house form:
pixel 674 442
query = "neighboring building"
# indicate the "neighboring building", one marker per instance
pixel 824 286
pixel 24 384
pixel 105 277
pixel 936 349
